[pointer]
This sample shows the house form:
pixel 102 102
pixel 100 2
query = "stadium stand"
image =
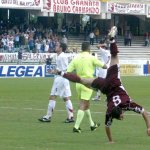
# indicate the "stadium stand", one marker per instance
pixel 136 51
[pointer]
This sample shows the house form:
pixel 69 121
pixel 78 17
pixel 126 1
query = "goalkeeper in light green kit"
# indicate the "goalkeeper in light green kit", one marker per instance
pixel 84 64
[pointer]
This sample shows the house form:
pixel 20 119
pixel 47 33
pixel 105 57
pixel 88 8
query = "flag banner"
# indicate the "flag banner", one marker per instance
pixel 72 6
pixel 21 4
pixel 126 8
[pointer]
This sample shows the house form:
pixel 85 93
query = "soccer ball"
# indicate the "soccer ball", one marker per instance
pixel 113 31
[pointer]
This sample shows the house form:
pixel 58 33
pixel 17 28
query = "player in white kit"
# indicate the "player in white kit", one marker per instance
pixel 61 87
pixel 105 57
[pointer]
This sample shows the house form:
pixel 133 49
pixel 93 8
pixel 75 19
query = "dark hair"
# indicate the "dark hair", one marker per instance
pixel 116 112
pixel 85 46
pixel 63 46
pixel 93 54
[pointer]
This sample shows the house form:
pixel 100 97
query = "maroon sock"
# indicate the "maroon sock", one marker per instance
pixel 113 49
pixel 72 77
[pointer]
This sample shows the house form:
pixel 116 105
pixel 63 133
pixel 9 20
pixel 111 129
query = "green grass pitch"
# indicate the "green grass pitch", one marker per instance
pixel 23 101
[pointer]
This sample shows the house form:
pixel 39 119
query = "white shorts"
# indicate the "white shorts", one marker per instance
pixel 101 73
pixel 61 87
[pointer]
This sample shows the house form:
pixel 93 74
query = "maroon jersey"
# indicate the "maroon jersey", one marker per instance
pixel 115 92
pixel 125 103
pixel 110 83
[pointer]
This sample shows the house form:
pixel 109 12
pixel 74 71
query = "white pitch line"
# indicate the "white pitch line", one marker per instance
pixel 59 110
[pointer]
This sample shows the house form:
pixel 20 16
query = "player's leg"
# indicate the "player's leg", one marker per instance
pixel 80 115
pixel 80 112
pixel 113 47
pixel 52 101
pixel 69 108
pixel 114 51
pixel 85 95
pixel 50 109
pixel 65 92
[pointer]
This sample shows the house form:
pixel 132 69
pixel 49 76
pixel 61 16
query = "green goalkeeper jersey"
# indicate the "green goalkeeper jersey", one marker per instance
pixel 84 64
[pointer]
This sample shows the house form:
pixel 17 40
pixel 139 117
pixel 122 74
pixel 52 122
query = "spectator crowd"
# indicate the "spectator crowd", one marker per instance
pixel 44 40
pixel 35 40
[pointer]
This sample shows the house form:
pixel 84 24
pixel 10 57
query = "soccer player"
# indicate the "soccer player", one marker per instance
pixel 105 57
pixel 61 87
pixel 84 65
pixel 118 101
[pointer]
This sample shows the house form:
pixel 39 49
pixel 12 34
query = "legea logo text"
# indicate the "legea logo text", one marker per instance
pixel 21 71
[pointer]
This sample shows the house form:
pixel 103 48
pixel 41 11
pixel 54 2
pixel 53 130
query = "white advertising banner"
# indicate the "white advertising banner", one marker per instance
pixel 148 11
pixel 126 8
pixel 22 71
pixel 72 6
pixel 31 57
pixel 132 67
pixel 26 57
pixel 127 67
pixel 21 4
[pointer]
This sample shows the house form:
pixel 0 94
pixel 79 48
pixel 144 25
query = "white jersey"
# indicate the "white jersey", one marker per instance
pixel 61 62
pixel 61 86
pixel 105 57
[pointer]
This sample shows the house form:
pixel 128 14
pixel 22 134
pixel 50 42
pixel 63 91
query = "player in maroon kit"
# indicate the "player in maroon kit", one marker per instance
pixel 118 100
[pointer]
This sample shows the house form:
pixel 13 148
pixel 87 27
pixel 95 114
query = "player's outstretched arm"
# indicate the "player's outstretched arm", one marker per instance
pixel 147 121
pixel 87 82
pixel 109 135
pixel 75 78
pixel 71 77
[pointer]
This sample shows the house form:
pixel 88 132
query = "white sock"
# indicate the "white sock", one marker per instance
pixel 69 108
pixel 50 109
